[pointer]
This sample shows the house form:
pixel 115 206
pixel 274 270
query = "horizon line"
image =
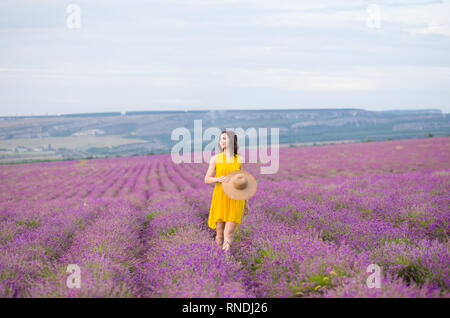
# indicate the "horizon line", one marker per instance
pixel 139 112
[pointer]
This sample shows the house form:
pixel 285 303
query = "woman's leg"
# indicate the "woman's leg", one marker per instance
pixel 229 235
pixel 220 226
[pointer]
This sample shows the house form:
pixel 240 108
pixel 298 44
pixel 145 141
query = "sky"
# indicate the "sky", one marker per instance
pixel 62 57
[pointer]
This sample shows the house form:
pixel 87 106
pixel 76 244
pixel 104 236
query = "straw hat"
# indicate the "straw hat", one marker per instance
pixel 241 185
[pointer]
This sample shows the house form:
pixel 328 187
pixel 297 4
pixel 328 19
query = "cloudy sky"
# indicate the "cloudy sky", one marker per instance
pixel 222 54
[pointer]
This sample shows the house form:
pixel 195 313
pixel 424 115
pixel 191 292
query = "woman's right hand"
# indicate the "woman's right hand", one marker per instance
pixel 222 179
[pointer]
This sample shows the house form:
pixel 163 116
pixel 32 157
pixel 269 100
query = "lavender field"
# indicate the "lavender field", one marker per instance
pixel 137 226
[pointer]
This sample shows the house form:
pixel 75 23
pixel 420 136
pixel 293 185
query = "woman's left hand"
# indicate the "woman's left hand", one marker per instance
pixel 246 210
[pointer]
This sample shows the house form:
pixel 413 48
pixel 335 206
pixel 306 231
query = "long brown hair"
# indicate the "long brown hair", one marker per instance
pixel 232 136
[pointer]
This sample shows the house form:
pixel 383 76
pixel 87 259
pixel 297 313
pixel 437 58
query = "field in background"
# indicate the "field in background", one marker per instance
pixel 81 142
pixel 137 226
pixel 52 148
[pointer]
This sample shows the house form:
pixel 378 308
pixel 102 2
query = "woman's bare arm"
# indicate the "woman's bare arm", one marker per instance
pixel 209 177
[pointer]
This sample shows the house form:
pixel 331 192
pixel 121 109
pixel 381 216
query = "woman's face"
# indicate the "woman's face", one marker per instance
pixel 224 141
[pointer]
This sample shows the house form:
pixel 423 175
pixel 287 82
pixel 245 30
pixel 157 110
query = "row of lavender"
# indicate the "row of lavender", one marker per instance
pixel 101 237
pixel 182 259
pixel 139 180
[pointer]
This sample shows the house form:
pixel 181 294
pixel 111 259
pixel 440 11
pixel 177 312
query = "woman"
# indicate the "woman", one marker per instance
pixel 225 213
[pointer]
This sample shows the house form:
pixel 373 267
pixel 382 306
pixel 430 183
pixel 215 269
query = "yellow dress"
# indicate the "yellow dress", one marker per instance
pixel 223 208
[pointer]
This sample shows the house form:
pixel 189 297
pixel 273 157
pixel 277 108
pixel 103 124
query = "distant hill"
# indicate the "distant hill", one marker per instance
pixel 74 136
